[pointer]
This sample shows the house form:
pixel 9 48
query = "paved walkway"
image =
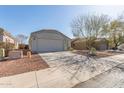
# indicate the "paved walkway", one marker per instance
pixel 43 78
pixel 62 72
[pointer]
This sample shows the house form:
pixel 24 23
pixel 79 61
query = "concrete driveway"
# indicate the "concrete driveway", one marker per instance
pixel 66 70
pixel 82 69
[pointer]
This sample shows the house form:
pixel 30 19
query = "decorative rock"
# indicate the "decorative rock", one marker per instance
pixel 15 54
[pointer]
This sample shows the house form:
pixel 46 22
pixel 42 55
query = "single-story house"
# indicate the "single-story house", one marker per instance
pixel 48 40
pixel 80 44
pixel 7 38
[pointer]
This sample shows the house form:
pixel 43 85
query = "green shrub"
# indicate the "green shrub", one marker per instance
pixel 2 53
pixel 93 51
pixel 23 46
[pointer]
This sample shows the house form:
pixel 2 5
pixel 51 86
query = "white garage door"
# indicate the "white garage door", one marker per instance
pixel 46 45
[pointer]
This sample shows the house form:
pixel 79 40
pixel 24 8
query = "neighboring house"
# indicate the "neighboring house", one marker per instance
pixel 121 47
pixel 80 44
pixel 48 40
pixel 6 37
pixel 101 44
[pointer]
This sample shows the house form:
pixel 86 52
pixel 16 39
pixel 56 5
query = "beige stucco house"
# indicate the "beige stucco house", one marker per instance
pixel 48 40
pixel 6 37
pixel 80 44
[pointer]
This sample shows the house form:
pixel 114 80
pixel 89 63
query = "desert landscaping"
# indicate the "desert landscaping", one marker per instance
pixel 23 65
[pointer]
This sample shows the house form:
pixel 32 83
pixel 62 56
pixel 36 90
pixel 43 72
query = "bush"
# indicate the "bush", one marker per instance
pixel 1 53
pixel 79 45
pixel 23 46
pixel 26 46
pixel 93 51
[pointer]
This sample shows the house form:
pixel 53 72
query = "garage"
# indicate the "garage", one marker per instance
pixel 48 41
pixel 46 45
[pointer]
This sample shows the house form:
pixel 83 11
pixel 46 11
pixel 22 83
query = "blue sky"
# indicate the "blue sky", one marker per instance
pixel 27 19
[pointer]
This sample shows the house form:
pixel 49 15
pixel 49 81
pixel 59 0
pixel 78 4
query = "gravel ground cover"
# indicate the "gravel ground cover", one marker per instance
pixel 18 66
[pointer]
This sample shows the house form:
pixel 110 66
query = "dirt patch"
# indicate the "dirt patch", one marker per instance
pixel 18 66
pixel 99 54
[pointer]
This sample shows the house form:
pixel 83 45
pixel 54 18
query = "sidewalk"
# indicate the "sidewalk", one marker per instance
pixel 43 78
pixel 21 80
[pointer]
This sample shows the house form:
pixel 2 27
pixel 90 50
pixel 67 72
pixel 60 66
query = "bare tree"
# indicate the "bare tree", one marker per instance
pixel 89 27
pixel 21 38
